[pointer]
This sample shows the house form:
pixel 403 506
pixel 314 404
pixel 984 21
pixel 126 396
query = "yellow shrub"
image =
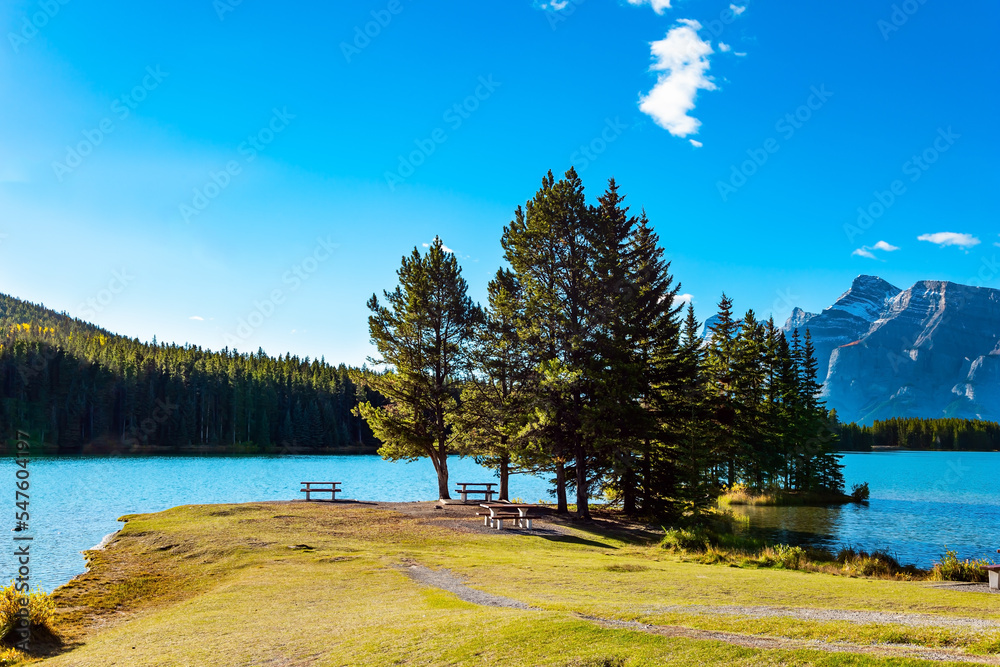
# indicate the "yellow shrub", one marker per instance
pixel 40 609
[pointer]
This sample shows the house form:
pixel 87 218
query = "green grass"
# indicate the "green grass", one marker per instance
pixel 219 585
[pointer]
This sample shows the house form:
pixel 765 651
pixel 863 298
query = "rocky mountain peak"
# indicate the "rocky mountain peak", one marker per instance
pixel 866 298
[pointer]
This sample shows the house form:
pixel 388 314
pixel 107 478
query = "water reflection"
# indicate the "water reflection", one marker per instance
pixel 922 503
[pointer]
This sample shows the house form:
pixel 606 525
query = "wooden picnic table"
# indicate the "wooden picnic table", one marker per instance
pixel 500 511
pixel 309 488
pixel 464 490
pixel 994 574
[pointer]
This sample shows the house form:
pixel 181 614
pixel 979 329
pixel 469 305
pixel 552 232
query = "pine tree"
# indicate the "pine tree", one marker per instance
pixel 422 334
pixel 548 246
pixel 720 367
pixel 496 392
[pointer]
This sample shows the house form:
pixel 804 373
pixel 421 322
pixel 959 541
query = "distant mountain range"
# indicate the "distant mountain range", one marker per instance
pixel 932 350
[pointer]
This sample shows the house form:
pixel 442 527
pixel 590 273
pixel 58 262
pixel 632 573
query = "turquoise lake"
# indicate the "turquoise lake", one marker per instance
pixel 921 501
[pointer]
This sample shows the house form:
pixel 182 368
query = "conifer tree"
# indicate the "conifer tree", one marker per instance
pixel 549 247
pixel 496 393
pixel 720 367
pixel 422 334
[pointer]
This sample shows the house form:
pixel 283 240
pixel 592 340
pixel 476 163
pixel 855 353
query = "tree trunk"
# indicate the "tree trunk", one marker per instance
pixel 504 476
pixel 582 506
pixel 628 489
pixel 647 480
pixel 441 467
pixel 561 504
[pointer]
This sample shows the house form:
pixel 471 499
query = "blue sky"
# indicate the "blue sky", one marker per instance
pixel 250 173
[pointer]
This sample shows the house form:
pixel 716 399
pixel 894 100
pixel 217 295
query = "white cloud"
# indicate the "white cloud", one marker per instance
pixel 681 58
pixel 195 317
pixel 724 47
pixel 866 251
pixel 658 5
pixel 944 239
pixel 696 143
pixel 443 247
pixel 683 298
pixel 741 54
pixel 553 6
pixel 738 10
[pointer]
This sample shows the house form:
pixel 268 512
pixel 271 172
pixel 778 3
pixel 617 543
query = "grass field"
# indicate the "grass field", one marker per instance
pixel 289 584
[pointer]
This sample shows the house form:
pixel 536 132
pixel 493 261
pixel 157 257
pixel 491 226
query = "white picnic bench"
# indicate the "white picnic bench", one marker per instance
pixel 475 488
pixel 309 488
pixel 497 512
pixel 994 573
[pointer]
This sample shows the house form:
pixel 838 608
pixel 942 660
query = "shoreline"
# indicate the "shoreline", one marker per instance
pixel 227 569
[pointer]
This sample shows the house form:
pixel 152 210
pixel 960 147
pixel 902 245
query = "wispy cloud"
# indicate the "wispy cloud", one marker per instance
pixel 696 143
pixel 658 5
pixel 443 247
pixel 945 239
pixel 738 10
pixel 196 317
pixel 681 59
pixel 553 6
pixel 724 47
pixel 867 250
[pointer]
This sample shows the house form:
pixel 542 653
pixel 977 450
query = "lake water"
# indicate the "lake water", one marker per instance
pixel 920 502
pixel 74 502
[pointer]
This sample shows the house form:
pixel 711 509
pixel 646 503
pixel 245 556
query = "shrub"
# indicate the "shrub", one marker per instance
pixel 686 539
pixel 790 558
pixel 10 656
pixel 741 494
pixel 860 492
pixel 40 610
pixel 878 563
pixel 952 569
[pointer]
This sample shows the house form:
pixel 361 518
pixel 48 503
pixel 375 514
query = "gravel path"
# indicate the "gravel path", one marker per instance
pixel 755 642
pixel 852 616
pixel 447 581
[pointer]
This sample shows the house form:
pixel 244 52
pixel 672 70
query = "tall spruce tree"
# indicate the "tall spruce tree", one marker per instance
pixel 549 247
pixel 696 457
pixel 636 339
pixel 422 333
pixel 720 366
pixel 497 389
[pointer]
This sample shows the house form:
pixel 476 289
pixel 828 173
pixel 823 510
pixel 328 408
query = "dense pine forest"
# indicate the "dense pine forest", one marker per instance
pixel 586 364
pixel 913 433
pixel 78 389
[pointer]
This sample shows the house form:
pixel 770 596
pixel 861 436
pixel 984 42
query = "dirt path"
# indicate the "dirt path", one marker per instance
pixel 852 616
pixel 445 580
pixel 756 642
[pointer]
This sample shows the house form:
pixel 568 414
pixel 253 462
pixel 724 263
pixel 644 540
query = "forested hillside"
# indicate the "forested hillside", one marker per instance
pixel 912 433
pixel 81 389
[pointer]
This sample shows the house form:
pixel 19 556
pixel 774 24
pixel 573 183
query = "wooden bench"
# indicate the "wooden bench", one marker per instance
pixel 519 513
pixel 994 573
pixel 464 491
pixel 309 488
pixel 497 519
